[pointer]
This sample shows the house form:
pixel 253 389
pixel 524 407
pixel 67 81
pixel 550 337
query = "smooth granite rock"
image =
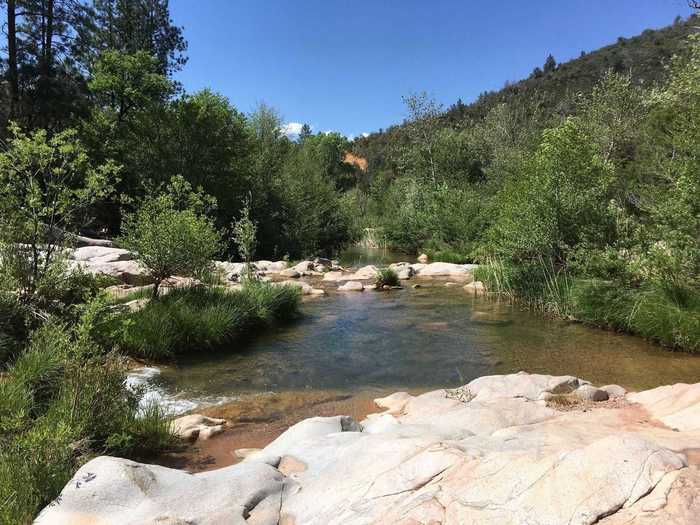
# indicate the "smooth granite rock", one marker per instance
pixel 487 453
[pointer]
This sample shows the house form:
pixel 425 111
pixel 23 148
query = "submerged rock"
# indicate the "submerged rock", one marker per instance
pixel 304 288
pixel 475 287
pixel 489 452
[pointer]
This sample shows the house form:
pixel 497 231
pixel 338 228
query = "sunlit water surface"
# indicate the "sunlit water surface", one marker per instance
pixel 416 339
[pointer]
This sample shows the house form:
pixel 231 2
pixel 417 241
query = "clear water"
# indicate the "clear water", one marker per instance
pixel 430 337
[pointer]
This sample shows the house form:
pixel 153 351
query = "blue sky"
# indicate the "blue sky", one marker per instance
pixel 344 65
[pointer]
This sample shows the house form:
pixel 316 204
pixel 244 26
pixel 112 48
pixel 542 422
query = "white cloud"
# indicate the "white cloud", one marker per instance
pixel 292 129
pixel 365 134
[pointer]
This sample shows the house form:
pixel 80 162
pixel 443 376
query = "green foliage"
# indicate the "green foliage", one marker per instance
pixel 314 220
pixel 559 202
pixel 244 231
pixel 170 241
pixel 129 27
pixel 668 312
pixel 418 214
pixel 63 401
pixel 203 319
pixel 47 186
pixel 123 83
pixel 15 323
pixel 674 152
pixel 386 277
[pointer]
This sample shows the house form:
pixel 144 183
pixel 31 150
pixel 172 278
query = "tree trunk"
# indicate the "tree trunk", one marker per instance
pixel 12 58
pixel 46 59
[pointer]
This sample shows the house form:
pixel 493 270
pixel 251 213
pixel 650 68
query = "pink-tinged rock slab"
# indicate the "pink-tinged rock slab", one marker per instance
pixel 497 451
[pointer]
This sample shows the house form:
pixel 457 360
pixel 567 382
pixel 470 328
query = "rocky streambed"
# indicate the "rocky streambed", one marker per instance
pixel 504 449
pixel 121 265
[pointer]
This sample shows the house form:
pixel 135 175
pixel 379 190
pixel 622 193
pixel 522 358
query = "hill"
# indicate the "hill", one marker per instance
pixel 555 87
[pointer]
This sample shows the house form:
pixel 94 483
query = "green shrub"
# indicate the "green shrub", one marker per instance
pixel 193 319
pixel 63 401
pixel 662 314
pixel 604 303
pixel 169 240
pixel 15 323
pixel 386 277
pixel 446 254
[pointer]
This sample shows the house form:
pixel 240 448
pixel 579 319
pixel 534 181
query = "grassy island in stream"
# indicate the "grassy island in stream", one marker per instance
pixel 195 320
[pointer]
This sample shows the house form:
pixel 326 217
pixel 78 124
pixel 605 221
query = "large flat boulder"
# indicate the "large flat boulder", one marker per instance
pixel 677 406
pixel 495 451
pixel 128 272
pixel 101 254
pixel 113 491
pixel 438 269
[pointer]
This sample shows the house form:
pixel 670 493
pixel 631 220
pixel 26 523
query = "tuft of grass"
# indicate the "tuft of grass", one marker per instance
pixel 667 312
pixel 190 320
pixel 539 285
pixel 63 401
pixel 142 292
pixel 386 277
pixel 15 323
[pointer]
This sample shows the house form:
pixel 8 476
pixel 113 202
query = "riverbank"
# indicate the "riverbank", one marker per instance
pixel 500 450
pixel 257 420
pixel 662 309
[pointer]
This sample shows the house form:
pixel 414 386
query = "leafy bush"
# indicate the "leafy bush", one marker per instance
pixel 15 323
pixel 559 201
pixel 47 185
pixel 201 319
pixel 63 401
pixel 417 215
pixel 170 240
pixel 386 277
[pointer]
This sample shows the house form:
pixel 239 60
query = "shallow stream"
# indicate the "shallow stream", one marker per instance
pixel 411 339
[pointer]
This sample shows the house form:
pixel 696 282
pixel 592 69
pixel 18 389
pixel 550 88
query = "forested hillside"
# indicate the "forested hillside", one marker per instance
pixel 552 88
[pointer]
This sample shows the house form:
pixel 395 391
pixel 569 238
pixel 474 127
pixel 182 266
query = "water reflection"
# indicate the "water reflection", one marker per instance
pixel 429 337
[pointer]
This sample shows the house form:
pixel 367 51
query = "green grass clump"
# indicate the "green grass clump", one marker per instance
pixel 15 323
pixel 667 312
pixel 538 285
pixel 62 402
pixel 189 320
pixel 386 277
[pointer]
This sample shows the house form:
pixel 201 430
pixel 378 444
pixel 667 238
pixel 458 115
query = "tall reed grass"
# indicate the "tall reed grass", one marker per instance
pixel 664 310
